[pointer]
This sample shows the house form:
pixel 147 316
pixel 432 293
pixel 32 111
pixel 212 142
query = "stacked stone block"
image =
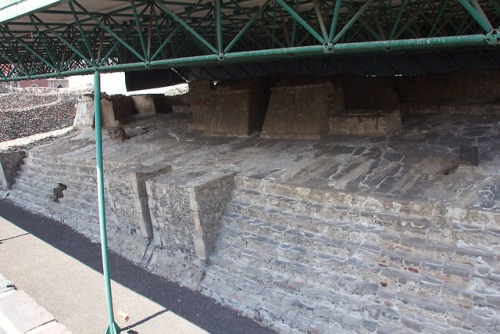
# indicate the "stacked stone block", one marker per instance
pixel 186 208
pixel 322 261
pixel 237 108
pixel 10 163
pixel 300 109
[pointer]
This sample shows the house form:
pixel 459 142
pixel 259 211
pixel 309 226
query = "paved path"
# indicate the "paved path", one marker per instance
pixel 60 270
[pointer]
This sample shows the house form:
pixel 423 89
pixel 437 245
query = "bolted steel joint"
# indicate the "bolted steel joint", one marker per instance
pixel 328 47
pixel 220 56
pixel 493 38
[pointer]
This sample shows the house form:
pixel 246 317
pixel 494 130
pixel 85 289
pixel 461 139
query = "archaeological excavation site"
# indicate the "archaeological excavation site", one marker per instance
pixel 295 201
pixel 333 168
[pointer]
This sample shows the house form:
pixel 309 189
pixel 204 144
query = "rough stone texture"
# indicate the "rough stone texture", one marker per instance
pixel 342 234
pixel 128 199
pixel 186 208
pixel 144 104
pixel 364 123
pixel 199 99
pixel 27 112
pixel 237 109
pixel 10 163
pixel 315 252
pixel 469 85
pixel 116 110
pixel 301 110
pixel 470 92
pixel 152 104
pixel 84 112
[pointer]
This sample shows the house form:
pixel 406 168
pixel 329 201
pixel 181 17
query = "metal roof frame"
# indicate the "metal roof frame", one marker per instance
pixel 57 38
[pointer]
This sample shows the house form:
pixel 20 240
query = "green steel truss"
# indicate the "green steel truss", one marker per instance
pixel 82 36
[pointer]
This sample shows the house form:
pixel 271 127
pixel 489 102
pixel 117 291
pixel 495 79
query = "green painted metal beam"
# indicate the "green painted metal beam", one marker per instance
pixel 112 326
pixel 25 7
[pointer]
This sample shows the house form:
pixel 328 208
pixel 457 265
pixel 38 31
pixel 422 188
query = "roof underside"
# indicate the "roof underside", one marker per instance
pixel 41 38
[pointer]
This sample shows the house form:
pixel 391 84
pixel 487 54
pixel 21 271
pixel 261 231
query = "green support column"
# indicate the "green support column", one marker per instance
pixel 112 326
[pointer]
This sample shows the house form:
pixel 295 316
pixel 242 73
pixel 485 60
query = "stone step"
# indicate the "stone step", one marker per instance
pixel 276 193
pixel 90 210
pixel 88 198
pixel 56 176
pixel 304 207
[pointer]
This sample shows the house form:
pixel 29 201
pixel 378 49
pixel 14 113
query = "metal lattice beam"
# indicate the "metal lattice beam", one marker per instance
pixel 79 36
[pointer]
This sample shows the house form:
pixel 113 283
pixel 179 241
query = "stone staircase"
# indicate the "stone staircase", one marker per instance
pixel 319 261
pixel 37 184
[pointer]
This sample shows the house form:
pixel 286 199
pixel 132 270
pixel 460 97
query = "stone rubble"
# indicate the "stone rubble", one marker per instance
pixel 25 112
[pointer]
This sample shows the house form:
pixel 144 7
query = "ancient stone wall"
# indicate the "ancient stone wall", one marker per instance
pixel 373 123
pixel 237 108
pixel 185 208
pixel 128 199
pixel 199 99
pixel 152 104
pixel 301 109
pixel 116 110
pixel 457 86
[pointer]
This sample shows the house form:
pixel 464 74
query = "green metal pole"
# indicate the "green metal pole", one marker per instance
pixel 112 326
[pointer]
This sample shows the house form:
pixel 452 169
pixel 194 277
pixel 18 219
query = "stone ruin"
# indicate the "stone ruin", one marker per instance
pixel 381 215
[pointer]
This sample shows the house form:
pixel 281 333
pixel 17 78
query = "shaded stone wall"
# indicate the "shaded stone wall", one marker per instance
pixel 116 110
pixel 152 104
pixel 127 197
pixel 469 85
pixel 301 109
pixel 369 93
pixel 185 208
pixel 237 108
pixel 10 163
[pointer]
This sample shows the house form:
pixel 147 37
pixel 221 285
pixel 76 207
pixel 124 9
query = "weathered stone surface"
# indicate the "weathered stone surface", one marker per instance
pixel 237 109
pixel 152 104
pixel 116 110
pixel 128 199
pixel 363 123
pixel 186 207
pixel 317 235
pixel 144 104
pixel 199 98
pixel 301 110
pixel 10 163
pixel 84 118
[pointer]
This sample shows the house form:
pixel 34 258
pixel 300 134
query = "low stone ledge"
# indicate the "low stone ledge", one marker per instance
pixel 363 123
pixel 10 163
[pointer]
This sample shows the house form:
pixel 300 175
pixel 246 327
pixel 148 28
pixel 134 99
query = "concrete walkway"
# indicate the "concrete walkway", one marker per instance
pixel 72 292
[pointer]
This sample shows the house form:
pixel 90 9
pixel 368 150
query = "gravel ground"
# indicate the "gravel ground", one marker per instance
pixel 25 113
